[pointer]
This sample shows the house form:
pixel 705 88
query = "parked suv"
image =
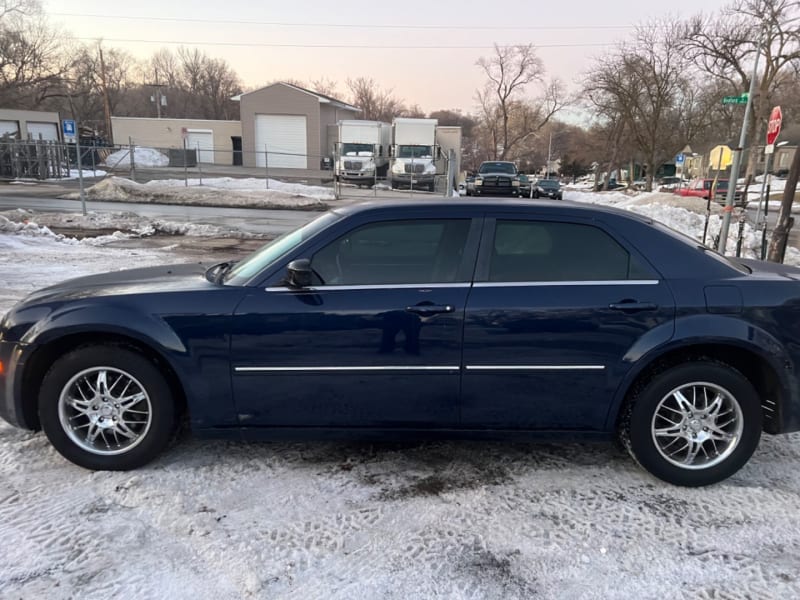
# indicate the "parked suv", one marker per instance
pixel 496 178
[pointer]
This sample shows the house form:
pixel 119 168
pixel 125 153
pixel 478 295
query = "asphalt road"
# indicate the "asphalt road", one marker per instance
pixel 43 197
pixel 254 220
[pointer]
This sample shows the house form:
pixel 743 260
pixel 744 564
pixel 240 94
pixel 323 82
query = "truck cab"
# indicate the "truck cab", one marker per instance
pixel 413 154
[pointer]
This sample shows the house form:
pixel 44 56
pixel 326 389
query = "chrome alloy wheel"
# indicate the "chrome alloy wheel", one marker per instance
pixel 697 425
pixel 105 411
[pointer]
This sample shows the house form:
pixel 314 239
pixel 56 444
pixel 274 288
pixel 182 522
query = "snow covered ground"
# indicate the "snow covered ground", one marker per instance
pixel 230 520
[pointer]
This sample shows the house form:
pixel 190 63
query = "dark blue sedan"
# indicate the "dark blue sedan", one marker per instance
pixel 507 319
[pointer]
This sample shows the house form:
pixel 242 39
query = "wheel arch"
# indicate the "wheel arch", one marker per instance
pixel 751 363
pixel 38 363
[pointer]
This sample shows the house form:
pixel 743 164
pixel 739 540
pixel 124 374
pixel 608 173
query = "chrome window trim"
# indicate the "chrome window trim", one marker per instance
pixel 383 286
pixel 423 368
pixel 348 368
pixel 535 367
pixel 485 284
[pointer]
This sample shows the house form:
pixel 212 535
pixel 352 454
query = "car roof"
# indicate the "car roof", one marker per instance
pixel 576 208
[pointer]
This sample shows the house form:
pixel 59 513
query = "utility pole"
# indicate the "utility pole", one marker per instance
pixel 157 97
pixel 549 152
pixel 737 156
pixel 106 101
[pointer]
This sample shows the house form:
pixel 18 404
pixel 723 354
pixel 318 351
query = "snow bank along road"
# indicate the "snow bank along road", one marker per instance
pixel 219 520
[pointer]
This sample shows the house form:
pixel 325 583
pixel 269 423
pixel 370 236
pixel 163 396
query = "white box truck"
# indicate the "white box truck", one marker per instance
pixel 363 151
pixel 413 153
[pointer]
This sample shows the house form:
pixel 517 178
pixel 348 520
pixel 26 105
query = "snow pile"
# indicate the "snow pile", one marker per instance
pixel 250 184
pixel 26 228
pixel 174 191
pixel 142 157
pixel 127 225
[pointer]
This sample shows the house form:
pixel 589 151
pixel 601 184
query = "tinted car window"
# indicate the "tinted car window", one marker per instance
pixel 552 251
pixel 394 252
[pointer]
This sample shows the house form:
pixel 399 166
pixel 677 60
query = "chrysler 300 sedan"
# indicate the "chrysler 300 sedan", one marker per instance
pixel 484 319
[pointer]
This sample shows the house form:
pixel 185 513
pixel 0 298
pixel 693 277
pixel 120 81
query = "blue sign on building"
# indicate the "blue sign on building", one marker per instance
pixel 679 159
pixel 68 127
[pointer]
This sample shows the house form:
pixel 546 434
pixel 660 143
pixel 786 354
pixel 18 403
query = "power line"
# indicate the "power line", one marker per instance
pixel 360 47
pixel 349 25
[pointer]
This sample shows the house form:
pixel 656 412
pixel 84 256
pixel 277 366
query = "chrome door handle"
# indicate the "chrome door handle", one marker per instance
pixel 632 306
pixel 430 309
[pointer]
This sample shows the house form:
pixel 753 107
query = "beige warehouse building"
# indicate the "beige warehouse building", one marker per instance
pixel 286 126
pixel 216 142
pixel 25 124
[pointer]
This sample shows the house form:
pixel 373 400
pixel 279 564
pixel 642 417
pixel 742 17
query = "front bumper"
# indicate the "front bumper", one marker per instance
pixel 497 186
pixel 13 356
pixel 357 177
pixel 415 178
pixel 553 195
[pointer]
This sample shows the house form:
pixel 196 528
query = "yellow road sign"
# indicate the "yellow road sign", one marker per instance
pixel 720 157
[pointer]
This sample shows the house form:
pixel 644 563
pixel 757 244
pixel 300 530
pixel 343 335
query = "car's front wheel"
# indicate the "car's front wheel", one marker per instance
pixel 694 424
pixel 106 407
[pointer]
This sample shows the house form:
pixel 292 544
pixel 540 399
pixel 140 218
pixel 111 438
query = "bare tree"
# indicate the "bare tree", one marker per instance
pixel 196 85
pixel 724 47
pixel 33 57
pixel 780 236
pixel 20 8
pixel 376 103
pixel 507 117
pixel 643 89
pixel 325 86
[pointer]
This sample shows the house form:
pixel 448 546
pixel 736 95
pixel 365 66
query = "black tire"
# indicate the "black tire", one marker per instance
pixel 536 195
pixel 639 420
pixel 153 435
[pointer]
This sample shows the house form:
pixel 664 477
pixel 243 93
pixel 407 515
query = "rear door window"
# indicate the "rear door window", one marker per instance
pixel 556 251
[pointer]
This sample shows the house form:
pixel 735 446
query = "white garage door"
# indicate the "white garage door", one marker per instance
pixel 204 140
pixel 9 127
pixel 284 137
pixel 49 131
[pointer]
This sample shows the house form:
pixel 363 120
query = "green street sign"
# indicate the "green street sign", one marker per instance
pixel 741 99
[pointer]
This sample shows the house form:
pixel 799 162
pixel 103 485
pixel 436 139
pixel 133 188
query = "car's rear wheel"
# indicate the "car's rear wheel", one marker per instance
pixel 694 424
pixel 106 408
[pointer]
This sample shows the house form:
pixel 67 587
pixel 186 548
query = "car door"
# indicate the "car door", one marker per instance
pixel 555 307
pixel 375 342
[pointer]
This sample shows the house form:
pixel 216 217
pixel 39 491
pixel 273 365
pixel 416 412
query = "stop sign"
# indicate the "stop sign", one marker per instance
pixel 774 125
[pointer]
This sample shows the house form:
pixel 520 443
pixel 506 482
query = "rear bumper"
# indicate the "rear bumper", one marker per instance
pixel 13 356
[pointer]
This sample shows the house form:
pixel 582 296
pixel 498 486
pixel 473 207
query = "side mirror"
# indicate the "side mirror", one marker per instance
pixel 299 273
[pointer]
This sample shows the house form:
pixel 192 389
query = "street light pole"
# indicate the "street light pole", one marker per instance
pixel 549 152
pixel 737 157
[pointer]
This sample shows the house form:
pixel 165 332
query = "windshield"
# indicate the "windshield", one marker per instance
pixel 498 167
pixel 548 183
pixel 266 255
pixel 357 149
pixel 414 152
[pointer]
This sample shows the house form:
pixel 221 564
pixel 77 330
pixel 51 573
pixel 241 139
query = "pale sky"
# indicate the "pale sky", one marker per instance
pixel 440 78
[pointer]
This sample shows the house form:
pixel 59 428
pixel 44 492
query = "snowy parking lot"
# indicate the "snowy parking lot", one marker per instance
pixel 223 520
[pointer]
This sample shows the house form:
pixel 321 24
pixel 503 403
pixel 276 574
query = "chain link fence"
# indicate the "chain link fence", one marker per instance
pixel 349 177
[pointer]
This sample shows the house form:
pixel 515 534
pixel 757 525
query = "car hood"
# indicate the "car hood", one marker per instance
pixel 183 277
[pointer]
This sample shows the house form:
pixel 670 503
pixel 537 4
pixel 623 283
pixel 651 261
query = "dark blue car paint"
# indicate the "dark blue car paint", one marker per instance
pixel 204 331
